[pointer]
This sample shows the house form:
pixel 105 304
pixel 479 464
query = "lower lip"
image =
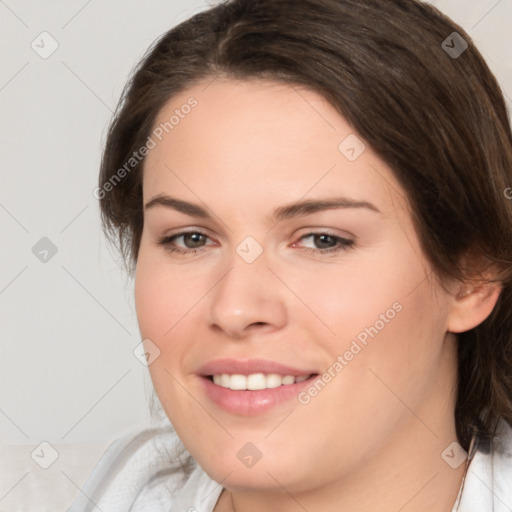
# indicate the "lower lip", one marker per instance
pixel 252 403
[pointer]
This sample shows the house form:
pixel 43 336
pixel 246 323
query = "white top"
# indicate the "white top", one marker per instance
pixel 141 472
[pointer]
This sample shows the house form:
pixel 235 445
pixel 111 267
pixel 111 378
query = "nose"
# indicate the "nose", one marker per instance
pixel 248 299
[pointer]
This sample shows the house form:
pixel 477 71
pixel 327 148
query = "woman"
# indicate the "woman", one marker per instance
pixel 312 195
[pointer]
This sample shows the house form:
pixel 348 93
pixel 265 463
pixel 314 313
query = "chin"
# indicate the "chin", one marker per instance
pixel 244 468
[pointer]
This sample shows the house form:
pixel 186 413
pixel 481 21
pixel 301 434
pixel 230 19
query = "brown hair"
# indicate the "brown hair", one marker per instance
pixel 437 118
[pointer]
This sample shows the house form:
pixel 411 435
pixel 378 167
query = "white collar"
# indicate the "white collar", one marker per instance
pixel 487 486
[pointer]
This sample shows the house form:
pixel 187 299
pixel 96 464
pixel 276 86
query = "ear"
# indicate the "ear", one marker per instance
pixel 472 303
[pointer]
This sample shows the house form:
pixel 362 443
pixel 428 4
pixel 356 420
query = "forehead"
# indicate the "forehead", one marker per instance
pixel 260 140
pixel 249 114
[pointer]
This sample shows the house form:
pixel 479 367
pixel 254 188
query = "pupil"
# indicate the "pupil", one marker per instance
pixel 323 238
pixel 195 237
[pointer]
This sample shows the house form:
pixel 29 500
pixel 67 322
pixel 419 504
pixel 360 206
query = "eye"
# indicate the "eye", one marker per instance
pixel 195 241
pixel 327 242
pixel 192 240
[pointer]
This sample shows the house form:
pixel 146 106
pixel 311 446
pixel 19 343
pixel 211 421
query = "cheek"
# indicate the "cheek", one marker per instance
pixel 391 348
pixel 151 301
pixel 382 323
pixel 164 294
pixel 362 293
pixel 383 366
pixel 168 301
pixel 158 312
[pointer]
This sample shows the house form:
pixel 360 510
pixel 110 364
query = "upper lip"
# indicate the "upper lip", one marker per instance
pixel 249 366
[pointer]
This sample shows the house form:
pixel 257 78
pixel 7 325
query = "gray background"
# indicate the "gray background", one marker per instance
pixel 68 329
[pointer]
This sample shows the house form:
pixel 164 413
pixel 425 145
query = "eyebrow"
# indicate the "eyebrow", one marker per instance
pixel 281 213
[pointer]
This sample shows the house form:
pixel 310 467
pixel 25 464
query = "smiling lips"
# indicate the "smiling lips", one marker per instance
pixel 251 387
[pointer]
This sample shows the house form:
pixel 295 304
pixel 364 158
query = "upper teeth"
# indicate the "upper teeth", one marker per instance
pixel 255 381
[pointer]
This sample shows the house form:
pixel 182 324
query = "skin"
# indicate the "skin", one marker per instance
pixel 372 438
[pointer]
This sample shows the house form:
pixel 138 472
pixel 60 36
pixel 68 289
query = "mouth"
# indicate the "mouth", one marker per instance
pixel 252 387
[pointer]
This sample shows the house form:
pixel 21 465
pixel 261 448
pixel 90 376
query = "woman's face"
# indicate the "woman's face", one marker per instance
pixel 300 260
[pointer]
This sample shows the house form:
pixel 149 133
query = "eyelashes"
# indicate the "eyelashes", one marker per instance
pixel 322 237
pixel 342 244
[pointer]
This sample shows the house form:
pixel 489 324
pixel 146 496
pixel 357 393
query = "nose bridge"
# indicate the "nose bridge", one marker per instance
pixel 247 294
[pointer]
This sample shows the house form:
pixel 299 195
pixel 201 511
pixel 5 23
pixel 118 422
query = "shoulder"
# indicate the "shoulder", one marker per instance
pixel 144 470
